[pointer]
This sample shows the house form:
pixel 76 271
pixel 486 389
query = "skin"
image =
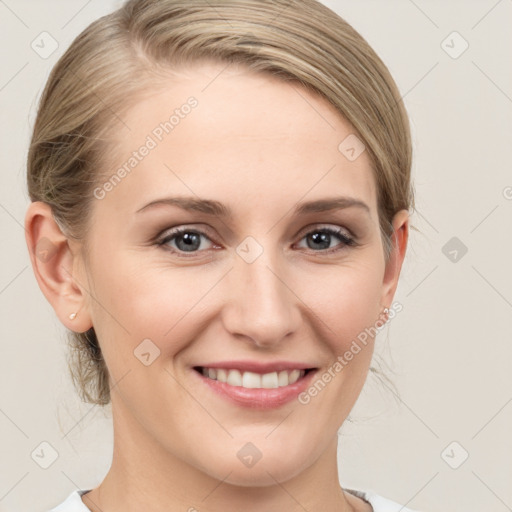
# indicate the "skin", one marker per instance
pixel 259 146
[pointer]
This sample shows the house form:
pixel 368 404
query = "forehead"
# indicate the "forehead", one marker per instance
pixel 227 133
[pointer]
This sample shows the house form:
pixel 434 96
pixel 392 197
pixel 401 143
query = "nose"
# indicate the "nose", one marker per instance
pixel 262 307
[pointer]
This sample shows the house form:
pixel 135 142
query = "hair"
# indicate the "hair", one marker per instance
pixel 124 55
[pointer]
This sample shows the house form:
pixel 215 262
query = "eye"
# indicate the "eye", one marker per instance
pixel 321 238
pixel 185 239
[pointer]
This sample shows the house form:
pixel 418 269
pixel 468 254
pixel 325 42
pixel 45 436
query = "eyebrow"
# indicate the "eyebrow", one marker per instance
pixel 211 207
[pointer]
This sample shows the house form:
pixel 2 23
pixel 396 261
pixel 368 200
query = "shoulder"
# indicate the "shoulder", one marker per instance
pixel 73 503
pixel 379 503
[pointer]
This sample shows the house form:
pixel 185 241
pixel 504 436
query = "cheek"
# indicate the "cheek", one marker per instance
pixel 345 299
pixel 140 301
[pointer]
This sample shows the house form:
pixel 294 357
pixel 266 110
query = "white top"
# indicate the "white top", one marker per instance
pixel 73 502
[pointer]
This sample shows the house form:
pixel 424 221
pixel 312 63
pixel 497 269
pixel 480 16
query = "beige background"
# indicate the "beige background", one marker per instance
pixel 451 345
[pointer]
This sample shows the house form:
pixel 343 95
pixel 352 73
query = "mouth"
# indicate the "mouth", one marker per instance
pixel 251 380
pixel 256 390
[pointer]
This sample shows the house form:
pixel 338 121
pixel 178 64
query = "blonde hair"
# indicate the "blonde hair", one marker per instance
pixel 126 54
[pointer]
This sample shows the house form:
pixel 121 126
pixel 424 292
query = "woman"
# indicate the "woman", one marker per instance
pixel 221 195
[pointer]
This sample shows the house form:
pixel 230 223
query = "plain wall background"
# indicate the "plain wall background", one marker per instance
pixel 450 347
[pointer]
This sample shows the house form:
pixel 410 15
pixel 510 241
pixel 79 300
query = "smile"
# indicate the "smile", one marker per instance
pixel 234 377
pixel 250 389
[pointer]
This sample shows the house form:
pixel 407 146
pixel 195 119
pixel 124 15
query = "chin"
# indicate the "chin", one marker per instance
pixel 269 469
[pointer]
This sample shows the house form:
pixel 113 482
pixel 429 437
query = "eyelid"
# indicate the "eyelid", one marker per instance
pixel 351 240
pixel 174 231
pixel 322 225
pixel 347 239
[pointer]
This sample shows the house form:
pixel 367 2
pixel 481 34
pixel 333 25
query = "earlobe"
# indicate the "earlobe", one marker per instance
pixel 399 242
pixel 55 267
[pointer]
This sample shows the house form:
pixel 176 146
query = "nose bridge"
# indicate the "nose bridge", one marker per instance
pixel 262 307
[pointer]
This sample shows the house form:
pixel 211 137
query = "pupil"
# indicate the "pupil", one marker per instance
pixel 190 239
pixel 322 238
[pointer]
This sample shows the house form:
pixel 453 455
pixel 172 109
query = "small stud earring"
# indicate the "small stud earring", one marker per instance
pixel 72 316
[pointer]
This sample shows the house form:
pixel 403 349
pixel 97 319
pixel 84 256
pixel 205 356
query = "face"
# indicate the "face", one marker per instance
pixel 266 284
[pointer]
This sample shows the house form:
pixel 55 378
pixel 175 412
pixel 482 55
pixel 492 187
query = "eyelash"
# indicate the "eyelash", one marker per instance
pixel 346 241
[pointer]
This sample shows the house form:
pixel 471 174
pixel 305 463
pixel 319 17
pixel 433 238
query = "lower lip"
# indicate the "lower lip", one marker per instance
pixel 258 398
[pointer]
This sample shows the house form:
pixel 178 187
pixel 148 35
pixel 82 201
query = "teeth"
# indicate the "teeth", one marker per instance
pixel 254 380
pixel 222 375
pixel 270 380
pixel 234 377
pixel 283 378
pixel 294 376
pixel 251 380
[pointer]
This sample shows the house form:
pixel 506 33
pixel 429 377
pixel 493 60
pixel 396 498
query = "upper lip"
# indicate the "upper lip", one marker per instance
pixel 258 367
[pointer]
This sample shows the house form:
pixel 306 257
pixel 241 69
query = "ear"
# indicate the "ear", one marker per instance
pixel 399 241
pixel 56 267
